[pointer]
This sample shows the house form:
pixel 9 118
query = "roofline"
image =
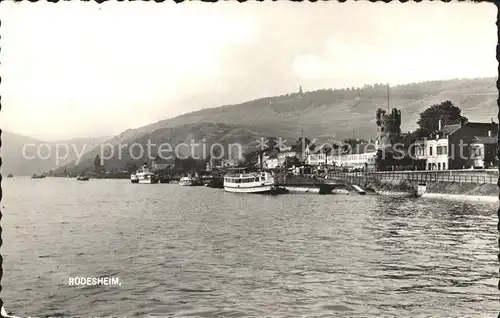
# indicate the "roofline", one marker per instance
pixel 477 122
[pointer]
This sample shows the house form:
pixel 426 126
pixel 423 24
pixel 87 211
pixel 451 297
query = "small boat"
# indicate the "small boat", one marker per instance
pixel 213 182
pixel 10 175
pixel 37 176
pixel 188 181
pixel 134 178
pixel 82 177
pixel 164 179
pixel 259 182
pixel 144 176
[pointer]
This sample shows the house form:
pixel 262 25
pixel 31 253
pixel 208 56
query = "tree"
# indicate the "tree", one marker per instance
pixel 327 150
pixel 131 167
pixel 446 111
pixel 384 160
pixel 291 161
pixel 251 159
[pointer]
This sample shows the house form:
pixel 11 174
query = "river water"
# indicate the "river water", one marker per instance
pixel 195 251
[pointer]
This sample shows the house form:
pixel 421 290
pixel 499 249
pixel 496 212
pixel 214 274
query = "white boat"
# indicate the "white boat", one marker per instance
pixel 188 181
pixel 134 178
pixel 82 177
pixel 258 182
pixel 144 176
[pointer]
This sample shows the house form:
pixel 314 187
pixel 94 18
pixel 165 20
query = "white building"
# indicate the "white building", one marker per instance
pixel 459 146
pixel 161 164
pixel 436 153
pixel 289 152
pixel 318 159
pixel 271 162
pixel 355 161
pixel 361 158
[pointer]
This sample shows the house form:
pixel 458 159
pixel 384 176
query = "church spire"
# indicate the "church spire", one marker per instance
pixel 97 161
pixel 300 90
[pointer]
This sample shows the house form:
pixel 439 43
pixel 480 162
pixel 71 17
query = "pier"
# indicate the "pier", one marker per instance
pixel 458 176
pixel 303 184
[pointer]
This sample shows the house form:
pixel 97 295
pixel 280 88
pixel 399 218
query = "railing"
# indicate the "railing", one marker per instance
pixel 296 179
pixel 424 176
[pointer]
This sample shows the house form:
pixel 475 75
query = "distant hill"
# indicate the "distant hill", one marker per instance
pixel 316 114
pixel 17 163
pixel 227 136
pixel 339 111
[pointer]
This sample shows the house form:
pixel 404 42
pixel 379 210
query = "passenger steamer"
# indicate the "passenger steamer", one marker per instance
pixel 259 182
pixel 144 176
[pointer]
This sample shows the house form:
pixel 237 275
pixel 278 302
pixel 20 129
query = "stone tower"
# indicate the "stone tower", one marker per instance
pixel 388 128
pixel 97 164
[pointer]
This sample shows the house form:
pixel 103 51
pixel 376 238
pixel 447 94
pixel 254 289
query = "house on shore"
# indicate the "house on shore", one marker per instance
pixel 362 156
pixel 472 145
pixel 162 163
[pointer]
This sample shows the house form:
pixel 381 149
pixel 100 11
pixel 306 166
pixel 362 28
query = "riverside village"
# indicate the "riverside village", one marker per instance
pixel 446 156
pixel 256 159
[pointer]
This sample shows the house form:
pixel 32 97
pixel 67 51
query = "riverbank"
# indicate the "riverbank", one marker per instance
pixel 461 197
pixel 394 187
pixel 486 192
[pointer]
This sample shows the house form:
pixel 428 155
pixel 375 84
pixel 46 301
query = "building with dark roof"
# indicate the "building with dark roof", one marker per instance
pixel 162 163
pixel 484 151
pixel 471 145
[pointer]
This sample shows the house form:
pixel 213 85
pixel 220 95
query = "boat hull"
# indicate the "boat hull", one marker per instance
pixel 269 189
pixel 189 182
pixel 258 183
pixel 261 189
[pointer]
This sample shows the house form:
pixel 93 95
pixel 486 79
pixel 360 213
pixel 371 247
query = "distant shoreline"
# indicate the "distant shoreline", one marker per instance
pixel 462 197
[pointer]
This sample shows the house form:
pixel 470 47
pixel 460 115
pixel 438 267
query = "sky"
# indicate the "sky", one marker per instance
pixel 82 69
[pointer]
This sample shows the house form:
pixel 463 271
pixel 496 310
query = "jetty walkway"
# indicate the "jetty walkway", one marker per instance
pixel 461 176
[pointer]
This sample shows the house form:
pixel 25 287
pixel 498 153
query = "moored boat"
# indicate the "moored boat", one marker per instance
pixel 258 182
pixel 213 182
pixel 10 175
pixel 37 176
pixel 82 177
pixel 134 178
pixel 144 176
pixel 188 181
